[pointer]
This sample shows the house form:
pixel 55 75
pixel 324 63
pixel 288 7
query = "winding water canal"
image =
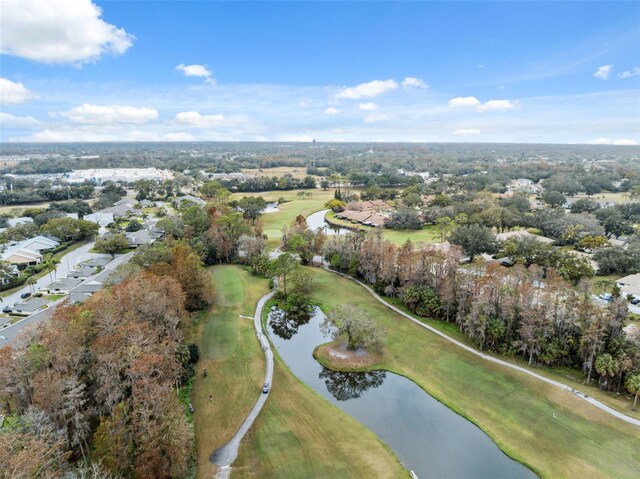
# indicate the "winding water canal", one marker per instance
pixel 427 437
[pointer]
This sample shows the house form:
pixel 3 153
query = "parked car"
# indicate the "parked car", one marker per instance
pixel 606 297
pixel 265 388
pixel 25 295
pixel 6 309
pixel 635 301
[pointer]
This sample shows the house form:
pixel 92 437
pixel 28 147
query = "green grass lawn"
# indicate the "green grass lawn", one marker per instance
pixel 550 430
pixel 54 297
pixel 428 234
pixel 298 434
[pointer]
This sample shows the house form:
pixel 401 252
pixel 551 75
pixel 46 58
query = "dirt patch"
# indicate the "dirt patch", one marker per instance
pixel 337 356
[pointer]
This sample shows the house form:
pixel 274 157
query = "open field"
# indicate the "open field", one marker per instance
pixel 613 197
pixel 295 171
pixel 18 209
pixel 428 234
pixel 298 434
pixel 548 429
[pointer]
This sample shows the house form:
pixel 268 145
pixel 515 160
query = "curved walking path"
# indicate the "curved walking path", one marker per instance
pixel 225 455
pixel 581 395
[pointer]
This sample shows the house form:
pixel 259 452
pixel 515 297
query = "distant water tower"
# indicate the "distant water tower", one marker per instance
pixel 313 147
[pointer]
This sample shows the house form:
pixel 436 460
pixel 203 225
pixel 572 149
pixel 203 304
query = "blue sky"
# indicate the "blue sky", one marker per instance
pixel 403 71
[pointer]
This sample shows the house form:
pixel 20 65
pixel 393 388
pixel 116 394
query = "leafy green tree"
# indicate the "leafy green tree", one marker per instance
pixel 553 198
pixel 335 205
pixel 355 325
pixel 196 218
pixel 474 239
pixel 252 207
pixel 112 245
pixel 404 219
pixel 282 267
pixel 70 229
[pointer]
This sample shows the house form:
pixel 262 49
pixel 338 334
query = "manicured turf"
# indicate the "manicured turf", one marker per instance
pixel 234 361
pixel 273 222
pixel 298 434
pixel 548 429
pixel 428 234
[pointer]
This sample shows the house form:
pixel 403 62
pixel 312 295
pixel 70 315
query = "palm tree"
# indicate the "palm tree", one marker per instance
pixel 50 266
pixel 633 386
pixel 31 281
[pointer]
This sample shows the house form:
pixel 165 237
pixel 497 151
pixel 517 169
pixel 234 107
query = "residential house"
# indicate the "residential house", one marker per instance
pixel 63 286
pixel 523 234
pixel 31 306
pixel 139 238
pixel 29 251
pixel 100 218
pixel 630 285
pixel 13 222
pixel 194 199
pixel 81 273
pixel 121 210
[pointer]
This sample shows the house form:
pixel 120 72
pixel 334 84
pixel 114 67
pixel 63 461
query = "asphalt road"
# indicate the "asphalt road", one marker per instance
pixel 224 456
pixel 8 335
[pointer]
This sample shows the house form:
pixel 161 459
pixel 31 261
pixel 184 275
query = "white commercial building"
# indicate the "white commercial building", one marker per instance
pixel 118 175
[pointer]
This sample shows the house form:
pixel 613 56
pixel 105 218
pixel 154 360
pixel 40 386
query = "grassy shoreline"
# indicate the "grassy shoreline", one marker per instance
pixel 548 430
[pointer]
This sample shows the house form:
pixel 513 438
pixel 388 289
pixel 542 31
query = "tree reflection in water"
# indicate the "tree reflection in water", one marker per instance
pixel 286 324
pixel 345 386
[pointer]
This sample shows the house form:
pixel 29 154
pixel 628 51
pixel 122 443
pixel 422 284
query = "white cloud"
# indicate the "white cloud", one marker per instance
pixel 625 142
pixel 496 105
pixel 501 87
pixel 367 90
pixel 193 118
pixel 617 142
pixel 375 118
pixel 368 106
pixel 296 139
pixel 69 31
pixel 412 83
pixel 603 72
pixel 109 114
pixel 7 119
pixel 179 136
pixel 67 134
pixel 634 72
pixel 466 132
pixel 332 111
pixel 463 102
pixel 12 92
pixel 473 102
pixel 200 71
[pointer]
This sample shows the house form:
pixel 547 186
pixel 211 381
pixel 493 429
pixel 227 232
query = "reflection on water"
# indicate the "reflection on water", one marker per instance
pixel 428 437
pixel 285 325
pixel 316 222
pixel 345 386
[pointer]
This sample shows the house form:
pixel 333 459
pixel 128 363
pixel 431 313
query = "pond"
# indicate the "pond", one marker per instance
pixel 271 207
pixel 316 221
pixel 428 438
